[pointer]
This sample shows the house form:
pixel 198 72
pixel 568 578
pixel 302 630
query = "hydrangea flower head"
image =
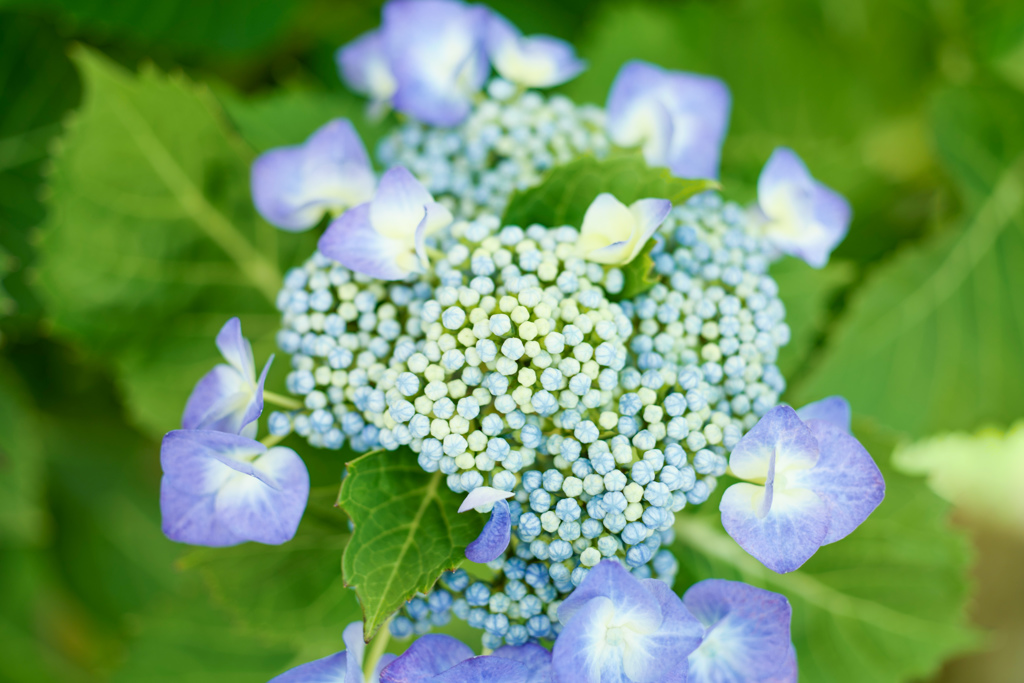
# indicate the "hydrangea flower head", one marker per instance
pixel 229 398
pixel 341 667
pixel 293 186
pixel 813 484
pixel 221 489
pixel 802 217
pixel 534 61
pixel 618 628
pixel 613 233
pixel 384 238
pixel 678 118
pixel 746 637
pixel 443 659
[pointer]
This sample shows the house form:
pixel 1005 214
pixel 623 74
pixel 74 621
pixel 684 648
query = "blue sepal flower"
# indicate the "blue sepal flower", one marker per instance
pixel 229 398
pixel 747 634
pixel 497 533
pixel 436 53
pixel 532 61
pixel 444 659
pixel 679 119
pixel 813 484
pixel 341 667
pixel 834 409
pixel 617 627
pixel 801 216
pixel 364 65
pixel 293 186
pixel 384 238
pixel 221 489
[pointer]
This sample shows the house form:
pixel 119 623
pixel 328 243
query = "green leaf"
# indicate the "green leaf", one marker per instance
pixel 151 242
pixel 292 592
pixel 638 274
pixel 227 27
pixel 22 516
pixel 566 191
pixel 981 473
pixel 885 604
pixel 38 85
pixel 932 339
pixel 808 294
pixel 288 117
pixel 407 531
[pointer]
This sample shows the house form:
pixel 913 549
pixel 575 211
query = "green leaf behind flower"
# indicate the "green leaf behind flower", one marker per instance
pixel 151 242
pixel 886 604
pixel 565 193
pixel 407 531
pixel 638 274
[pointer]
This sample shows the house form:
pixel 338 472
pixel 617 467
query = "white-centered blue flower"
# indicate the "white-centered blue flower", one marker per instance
pixel 618 628
pixel 811 484
pixel 747 634
pixel 436 53
pixel 341 667
pixel 293 186
pixel 679 119
pixel 532 61
pixel 365 66
pixel 384 238
pixel 497 533
pixel 221 489
pixel 443 659
pixel 613 233
pixel 229 398
pixel 801 216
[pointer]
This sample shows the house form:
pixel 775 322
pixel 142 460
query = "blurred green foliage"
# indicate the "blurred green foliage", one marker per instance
pixel 912 108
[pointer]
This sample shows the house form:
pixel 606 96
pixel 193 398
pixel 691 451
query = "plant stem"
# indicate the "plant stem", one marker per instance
pixel 270 440
pixel 282 401
pixel 376 650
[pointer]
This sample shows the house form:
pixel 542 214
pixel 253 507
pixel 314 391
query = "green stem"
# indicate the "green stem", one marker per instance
pixel 282 401
pixel 271 440
pixel 376 651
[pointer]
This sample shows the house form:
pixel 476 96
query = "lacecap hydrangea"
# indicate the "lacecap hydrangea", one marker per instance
pixel 582 383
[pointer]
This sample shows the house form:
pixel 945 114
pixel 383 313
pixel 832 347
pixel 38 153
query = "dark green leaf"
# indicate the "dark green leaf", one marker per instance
pixel 407 531
pixel 566 191
pixel 152 242
pixel 22 516
pixel 885 604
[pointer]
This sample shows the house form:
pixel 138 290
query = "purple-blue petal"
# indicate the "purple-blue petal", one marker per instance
pixel 846 478
pixel 495 537
pixel 355 646
pixel 484 670
pixel 330 669
pixel 834 409
pixel 437 55
pixel 220 401
pixel 555 59
pixel 293 186
pixel 697 109
pixel 363 64
pixel 534 658
pixel 609 579
pixel 679 635
pixel 779 434
pixel 236 349
pixel 782 537
pixel 221 489
pixel 351 241
pixel 747 637
pixel 255 407
pixel 427 657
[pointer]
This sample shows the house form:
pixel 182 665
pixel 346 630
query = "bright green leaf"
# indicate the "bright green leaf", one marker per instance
pixel 886 604
pixel 292 592
pixel 982 473
pixel 151 222
pixel 932 339
pixel 407 531
pixel 566 191
pixel 638 274
pixel 808 294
